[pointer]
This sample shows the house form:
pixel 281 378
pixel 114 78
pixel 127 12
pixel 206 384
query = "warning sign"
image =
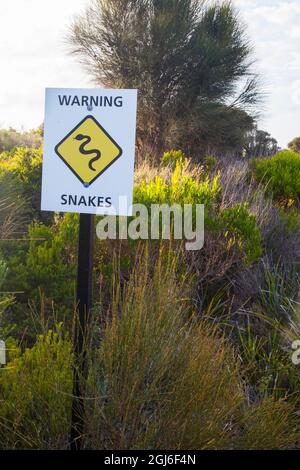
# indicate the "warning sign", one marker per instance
pixel 89 150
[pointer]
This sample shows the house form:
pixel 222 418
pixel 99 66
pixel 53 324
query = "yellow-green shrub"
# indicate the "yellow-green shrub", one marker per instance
pixel 173 158
pixel 44 266
pixel 237 225
pixel 24 165
pixel 35 394
pixel 183 188
pixel 241 228
pixel 281 173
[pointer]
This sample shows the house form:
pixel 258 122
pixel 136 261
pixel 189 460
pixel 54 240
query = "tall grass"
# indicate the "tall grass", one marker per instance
pixel 163 380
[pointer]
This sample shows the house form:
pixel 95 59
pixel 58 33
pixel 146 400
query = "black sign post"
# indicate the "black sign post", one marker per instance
pixel 84 303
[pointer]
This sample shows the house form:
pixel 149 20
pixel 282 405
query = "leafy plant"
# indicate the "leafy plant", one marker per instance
pixel 172 158
pixel 43 269
pixel 24 167
pixel 241 229
pixel 35 394
pixel 210 163
pixel 182 189
pixel 281 174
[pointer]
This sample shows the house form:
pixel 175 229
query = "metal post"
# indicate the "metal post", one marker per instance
pixel 84 301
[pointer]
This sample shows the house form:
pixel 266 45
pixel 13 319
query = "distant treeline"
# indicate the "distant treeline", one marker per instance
pixel 10 138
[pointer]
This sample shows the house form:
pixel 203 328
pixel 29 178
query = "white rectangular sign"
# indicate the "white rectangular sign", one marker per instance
pixel 89 149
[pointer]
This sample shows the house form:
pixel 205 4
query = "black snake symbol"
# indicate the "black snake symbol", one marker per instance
pixel 87 139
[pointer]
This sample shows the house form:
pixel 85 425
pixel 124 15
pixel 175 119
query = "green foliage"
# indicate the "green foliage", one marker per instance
pixel 291 219
pixel 241 228
pixel 271 425
pixel 260 144
pixel 5 300
pixel 266 358
pixel 237 225
pixel 164 380
pixel 172 158
pixel 181 189
pixel 49 264
pixel 24 167
pixel 35 394
pixel 187 58
pixel 210 163
pixel 44 268
pixel 281 173
pixel 3 271
pixel 160 377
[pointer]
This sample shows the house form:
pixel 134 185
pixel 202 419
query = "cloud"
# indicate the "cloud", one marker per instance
pixel 273 27
pixel 34 56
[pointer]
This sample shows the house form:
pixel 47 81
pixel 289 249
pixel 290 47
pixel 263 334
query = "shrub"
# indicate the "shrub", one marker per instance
pixel 35 394
pixel 210 163
pixel 183 188
pixel 164 381
pixel 172 158
pixel 24 166
pixel 270 425
pixel 281 173
pixel 44 269
pixel 291 219
pixel 236 224
pixel 294 145
pixel 241 228
pixel 160 379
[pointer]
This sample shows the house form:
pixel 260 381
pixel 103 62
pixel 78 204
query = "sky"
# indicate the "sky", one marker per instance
pixel 34 55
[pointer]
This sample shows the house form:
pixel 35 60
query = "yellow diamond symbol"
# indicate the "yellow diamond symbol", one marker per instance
pixel 88 150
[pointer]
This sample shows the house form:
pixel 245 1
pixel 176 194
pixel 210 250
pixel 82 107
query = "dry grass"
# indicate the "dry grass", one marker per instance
pixel 238 186
pixel 147 172
pixel 162 380
pixel 12 219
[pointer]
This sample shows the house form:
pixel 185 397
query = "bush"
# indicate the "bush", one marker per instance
pixel 281 173
pixel 44 269
pixel 294 145
pixel 241 229
pixel 210 163
pixel 182 188
pixel 165 381
pixel 237 226
pixel 24 167
pixel 172 158
pixel 160 379
pixel 35 394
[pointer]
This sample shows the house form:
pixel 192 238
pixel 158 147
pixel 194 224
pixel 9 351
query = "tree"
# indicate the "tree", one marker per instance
pixel 260 144
pixel 11 138
pixel 294 145
pixel 190 60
